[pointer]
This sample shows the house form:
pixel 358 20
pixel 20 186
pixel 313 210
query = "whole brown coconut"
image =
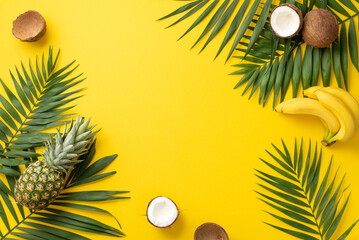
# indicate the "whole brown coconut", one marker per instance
pixel 320 28
pixel 210 231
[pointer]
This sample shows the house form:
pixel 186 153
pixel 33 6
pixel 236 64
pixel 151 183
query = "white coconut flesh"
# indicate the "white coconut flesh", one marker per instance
pixel 285 21
pixel 162 212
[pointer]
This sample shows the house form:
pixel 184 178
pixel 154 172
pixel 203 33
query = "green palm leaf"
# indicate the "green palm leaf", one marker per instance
pixel 248 32
pixel 38 105
pixel 302 200
pixel 42 98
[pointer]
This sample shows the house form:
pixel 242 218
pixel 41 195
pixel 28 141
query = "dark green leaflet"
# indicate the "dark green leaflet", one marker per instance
pixel 182 9
pixel 287 77
pixel 258 81
pixel 344 54
pixel 297 71
pixel 349 4
pixel 337 7
pixel 307 67
pixel 281 71
pixel 245 78
pixel 244 26
pixel 190 13
pixel 305 7
pixel 326 66
pixel 336 62
pixel 234 26
pixel 251 81
pixel 259 25
pixel 353 43
pixel 213 21
pixel 346 233
pixel 221 22
pixel 271 81
pixel 264 82
pixel 201 17
pixel 279 79
pixel 316 66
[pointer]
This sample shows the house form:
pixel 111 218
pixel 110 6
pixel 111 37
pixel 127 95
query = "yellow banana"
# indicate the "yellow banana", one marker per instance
pixel 310 92
pixel 347 99
pixel 345 117
pixel 343 95
pixel 311 107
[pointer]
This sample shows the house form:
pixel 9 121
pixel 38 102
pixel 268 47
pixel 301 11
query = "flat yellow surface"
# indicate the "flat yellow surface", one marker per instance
pixel 172 116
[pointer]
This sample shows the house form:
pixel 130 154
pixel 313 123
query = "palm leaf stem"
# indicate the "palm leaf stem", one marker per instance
pixel 347 19
pixel 17 224
pixel 20 127
pixel 310 206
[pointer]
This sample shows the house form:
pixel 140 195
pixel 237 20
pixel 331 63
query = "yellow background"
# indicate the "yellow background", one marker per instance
pixel 172 116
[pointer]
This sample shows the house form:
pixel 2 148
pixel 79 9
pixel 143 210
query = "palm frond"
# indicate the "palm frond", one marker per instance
pixel 249 34
pixel 310 206
pixel 49 223
pixel 38 105
pixel 43 92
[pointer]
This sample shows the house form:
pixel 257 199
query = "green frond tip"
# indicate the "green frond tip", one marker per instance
pixel 299 190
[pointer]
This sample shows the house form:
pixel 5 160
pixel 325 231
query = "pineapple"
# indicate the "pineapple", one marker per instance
pixel 42 181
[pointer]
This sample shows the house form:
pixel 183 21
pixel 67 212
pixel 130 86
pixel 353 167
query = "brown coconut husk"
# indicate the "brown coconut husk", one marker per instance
pixel 320 28
pixel 29 26
pixel 297 10
pixel 210 231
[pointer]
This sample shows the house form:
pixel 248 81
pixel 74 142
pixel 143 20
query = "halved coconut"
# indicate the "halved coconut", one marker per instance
pixel 210 231
pixel 29 26
pixel 162 212
pixel 286 20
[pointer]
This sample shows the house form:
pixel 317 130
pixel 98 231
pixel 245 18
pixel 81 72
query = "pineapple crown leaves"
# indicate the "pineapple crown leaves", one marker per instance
pixel 60 153
pixel 268 64
pixel 307 205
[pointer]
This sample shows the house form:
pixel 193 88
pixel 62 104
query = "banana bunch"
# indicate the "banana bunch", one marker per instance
pixel 335 107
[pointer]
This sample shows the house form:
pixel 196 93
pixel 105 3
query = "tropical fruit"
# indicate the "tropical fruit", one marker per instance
pixel 42 181
pixel 337 109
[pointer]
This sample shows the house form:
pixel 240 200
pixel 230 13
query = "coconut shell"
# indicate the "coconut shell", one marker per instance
pixel 320 28
pixel 210 231
pixel 29 26
pixel 297 10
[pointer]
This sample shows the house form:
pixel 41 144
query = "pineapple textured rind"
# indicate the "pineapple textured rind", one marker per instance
pixel 38 186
